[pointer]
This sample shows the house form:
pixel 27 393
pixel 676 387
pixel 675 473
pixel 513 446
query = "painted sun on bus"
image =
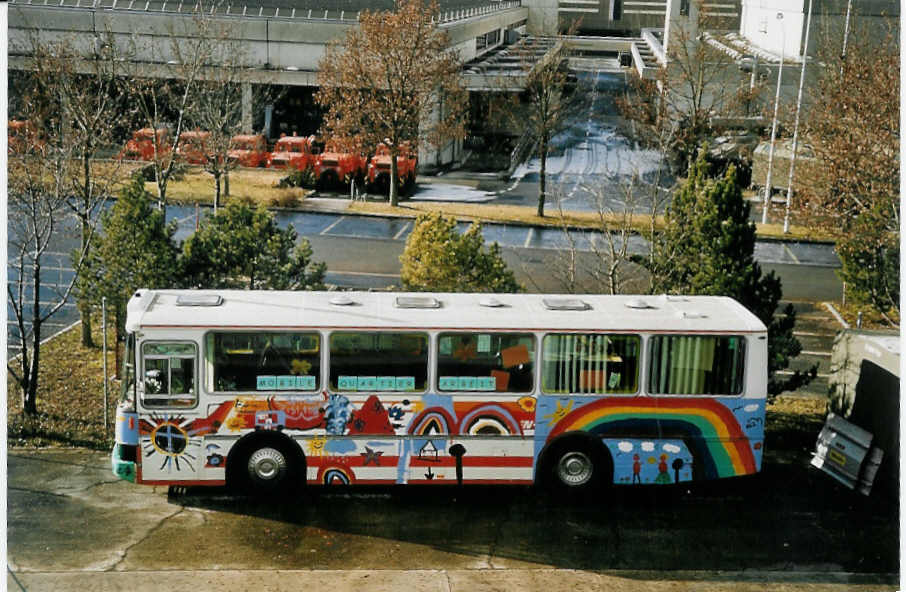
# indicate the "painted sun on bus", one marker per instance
pixel 267 390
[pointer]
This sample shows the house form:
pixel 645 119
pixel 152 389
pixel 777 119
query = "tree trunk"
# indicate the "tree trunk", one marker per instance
pixel 84 304
pixel 542 186
pixel 216 192
pixel 394 180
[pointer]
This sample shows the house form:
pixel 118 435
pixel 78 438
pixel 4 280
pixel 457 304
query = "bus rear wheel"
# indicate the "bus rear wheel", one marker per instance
pixel 578 467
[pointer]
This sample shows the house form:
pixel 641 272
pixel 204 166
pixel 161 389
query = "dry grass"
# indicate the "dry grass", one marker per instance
pixel 527 215
pixel 791 427
pixel 70 397
pixel 490 213
pixel 254 185
pixel 870 318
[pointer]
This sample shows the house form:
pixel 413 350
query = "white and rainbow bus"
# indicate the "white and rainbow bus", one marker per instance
pixel 267 390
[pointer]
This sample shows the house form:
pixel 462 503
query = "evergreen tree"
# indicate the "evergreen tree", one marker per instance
pixel 437 258
pixel 135 250
pixel 241 247
pixel 708 246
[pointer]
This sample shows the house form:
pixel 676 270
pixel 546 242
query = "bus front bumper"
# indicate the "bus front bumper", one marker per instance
pixel 122 466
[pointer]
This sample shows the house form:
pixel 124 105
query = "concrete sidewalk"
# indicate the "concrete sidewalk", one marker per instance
pixel 463 580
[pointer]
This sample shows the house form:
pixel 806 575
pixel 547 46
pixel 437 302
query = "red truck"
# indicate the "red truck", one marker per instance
pixel 248 150
pixel 334 168
pixel 141 146
pixel 294 152
pixel 378 180
pixel 192 147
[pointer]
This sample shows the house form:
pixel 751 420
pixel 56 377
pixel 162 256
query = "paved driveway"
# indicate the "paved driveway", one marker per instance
pixel 72 526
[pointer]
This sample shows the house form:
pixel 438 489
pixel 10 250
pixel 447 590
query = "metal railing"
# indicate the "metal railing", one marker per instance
pixel 341 13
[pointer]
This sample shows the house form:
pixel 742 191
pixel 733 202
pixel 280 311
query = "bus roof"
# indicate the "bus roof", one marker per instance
pixel 384 310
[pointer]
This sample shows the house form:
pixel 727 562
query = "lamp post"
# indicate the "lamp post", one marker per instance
pixel 789 187
pixel 767 184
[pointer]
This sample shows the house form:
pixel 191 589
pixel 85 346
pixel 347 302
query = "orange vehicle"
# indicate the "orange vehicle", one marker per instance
pixel 293 151
pixel 22 138
pixel 378 180
pixel 334 168
pixel 192 147
pixel 141 146
pixel 248 150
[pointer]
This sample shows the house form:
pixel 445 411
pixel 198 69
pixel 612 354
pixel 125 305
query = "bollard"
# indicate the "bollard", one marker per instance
pixel 104 330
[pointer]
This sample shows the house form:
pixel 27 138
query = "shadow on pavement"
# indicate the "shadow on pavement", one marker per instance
pixel 786 520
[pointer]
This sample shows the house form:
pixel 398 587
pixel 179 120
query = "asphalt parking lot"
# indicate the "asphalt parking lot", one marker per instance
pixel 309 224
pixel 72 525
pixel 57 267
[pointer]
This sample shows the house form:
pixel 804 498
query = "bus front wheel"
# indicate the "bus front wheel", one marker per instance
pixel 268 468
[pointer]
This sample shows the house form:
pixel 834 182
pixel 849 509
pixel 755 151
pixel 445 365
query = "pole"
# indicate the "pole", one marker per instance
pixel 789 187
pixel 104 330
pixel 767 183
pixel 849 8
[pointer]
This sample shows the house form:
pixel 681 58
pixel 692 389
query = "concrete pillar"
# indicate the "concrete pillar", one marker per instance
pixel 681 22
pixel 246 107
pixel 543 17
pixel 268 119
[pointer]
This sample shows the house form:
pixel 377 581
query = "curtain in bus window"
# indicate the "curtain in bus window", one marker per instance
pixel 501 362
pixel 590 363
pixel 696 365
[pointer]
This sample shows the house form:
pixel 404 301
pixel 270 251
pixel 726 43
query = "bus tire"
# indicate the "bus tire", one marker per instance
pixel 267 466
pixel 577 465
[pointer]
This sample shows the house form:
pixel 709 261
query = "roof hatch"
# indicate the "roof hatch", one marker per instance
pixel 417 302
pixel 565 304
pixel 199 300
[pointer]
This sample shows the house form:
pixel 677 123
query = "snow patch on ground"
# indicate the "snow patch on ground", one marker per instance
pixel 451 192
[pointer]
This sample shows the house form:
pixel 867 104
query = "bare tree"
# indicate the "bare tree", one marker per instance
pixel 83 84
pixel 853 128
pixel 168 102
pixel 697 81
pixel 392 80
pixel 39 194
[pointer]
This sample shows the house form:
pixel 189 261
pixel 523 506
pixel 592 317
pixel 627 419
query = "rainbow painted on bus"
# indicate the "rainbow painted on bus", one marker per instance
pixel 269 389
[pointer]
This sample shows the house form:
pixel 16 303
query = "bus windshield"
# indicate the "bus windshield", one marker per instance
pixel 127 395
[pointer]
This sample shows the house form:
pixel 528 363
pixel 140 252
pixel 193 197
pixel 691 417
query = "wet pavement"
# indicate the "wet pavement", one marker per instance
pixel 72 525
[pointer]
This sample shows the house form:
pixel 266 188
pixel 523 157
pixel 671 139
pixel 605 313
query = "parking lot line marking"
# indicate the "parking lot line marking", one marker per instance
pixel 528 238
pixel 330 227
pixel 364 273
pixel 399 234
pixel 792 255
pixel 815 353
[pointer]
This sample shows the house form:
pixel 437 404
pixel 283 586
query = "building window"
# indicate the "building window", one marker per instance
pixel 616 10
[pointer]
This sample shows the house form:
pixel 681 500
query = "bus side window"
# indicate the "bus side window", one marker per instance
pixel 591 363
pixel 168 374
pixel 696 364
pixel 378 361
